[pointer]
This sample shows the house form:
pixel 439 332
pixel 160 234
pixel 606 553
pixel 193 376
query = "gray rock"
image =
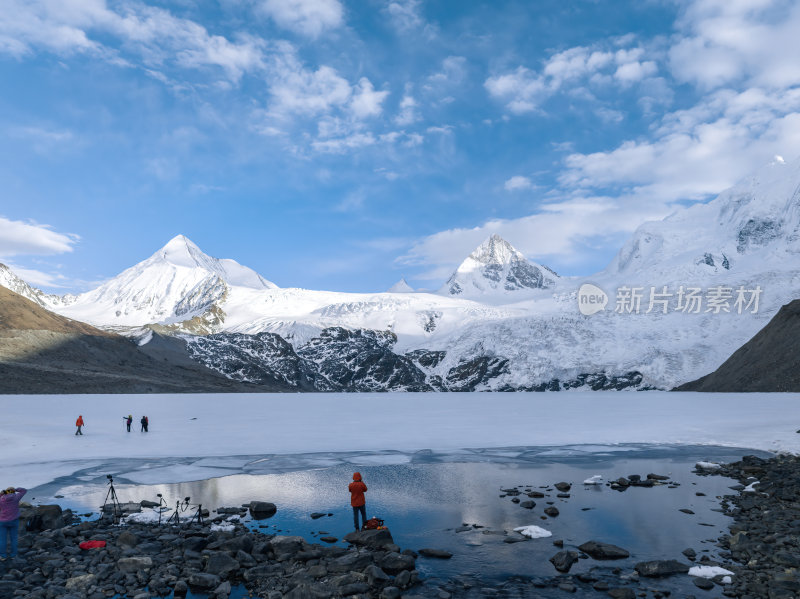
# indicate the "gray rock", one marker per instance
pixel 602 551
pixel 661 568
pixel 80 583
pixel 135 564
pixel 221 564
pixel 202 580
pixel 621 593
pixel 262 509
pixel 563 487
pixel 563 560
pixel 702 583
pixel 127 539
pixel 373 539
pixel 394 563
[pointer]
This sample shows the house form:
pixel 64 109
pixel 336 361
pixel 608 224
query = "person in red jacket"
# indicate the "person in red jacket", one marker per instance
pixel 79 424
pixel 357 500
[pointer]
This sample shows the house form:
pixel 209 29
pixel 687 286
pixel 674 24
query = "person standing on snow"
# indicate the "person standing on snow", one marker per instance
pixel 79 424
pixel 357 501
pixel 146 423
pixel 143 422
pixel 9 519
pixel 128 420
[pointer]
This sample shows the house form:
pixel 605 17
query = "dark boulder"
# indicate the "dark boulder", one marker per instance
pixel 599 550
pixel 563 560
pixel 661 568
pixel 373 539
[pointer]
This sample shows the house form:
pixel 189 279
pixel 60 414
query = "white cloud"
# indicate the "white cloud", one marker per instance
pixel 571 71
pixel 720 43
pixel 518 183
pixel 18 238
pixel 157 37
pixel 408 111
pixel 562 231
pixel 38 278
pixel 366 101
pixel 307 17
pixel 297 90
pixel 522 90
pixel 405 14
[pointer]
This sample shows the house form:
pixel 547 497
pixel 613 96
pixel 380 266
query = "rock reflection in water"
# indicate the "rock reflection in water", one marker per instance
pixel 424 501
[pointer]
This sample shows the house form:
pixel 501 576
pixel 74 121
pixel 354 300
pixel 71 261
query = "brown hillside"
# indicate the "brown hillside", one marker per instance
pixel 21 314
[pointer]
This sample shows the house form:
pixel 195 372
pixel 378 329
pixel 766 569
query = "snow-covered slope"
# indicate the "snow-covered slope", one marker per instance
pixel 753 226
pixel 176 283
pixel 514 324
pixel 497 267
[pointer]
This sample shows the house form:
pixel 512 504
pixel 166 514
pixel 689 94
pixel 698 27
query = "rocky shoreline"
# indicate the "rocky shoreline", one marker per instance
pixel 764 542
pixel 140 561
pixel 760 558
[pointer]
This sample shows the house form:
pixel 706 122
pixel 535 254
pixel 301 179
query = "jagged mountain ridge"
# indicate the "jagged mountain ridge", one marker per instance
pixel 497 267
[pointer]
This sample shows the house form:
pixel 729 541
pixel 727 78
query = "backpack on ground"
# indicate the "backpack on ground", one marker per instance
pixel 373 524
pixel 35 523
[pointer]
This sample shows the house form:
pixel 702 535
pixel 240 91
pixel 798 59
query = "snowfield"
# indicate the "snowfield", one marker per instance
pixel 39 444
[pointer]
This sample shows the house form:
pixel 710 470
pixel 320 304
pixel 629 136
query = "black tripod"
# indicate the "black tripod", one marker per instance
pixel 112 494
pixel 198 515
pixel 175 518
pixel 162 505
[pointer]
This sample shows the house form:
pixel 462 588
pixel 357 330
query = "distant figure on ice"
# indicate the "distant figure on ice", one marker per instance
pixel 357 489
pixel 9 519
pixel 128 420
pixel 144 422
pixel 79 424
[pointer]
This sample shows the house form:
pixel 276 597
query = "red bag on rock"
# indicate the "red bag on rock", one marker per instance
pixel 92 544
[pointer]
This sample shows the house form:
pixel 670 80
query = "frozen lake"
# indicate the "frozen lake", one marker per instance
pixel 433 462
pixel 204 430
pixel 424 497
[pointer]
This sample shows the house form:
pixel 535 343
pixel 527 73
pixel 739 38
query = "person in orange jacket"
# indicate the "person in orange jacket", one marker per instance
pixel 79 424
pixel 357 489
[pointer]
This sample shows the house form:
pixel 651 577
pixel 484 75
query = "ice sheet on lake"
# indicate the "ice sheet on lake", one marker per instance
pixel 424 427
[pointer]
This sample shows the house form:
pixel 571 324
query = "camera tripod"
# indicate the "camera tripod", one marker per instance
pixel 162 505
pixel 180 507
pixel 112 494
pixel 198 515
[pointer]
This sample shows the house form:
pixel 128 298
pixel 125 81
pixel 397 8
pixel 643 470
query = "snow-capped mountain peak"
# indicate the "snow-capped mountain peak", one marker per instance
pixel 496 266
pixel 176 283
pixel 401 286
pixel 180 251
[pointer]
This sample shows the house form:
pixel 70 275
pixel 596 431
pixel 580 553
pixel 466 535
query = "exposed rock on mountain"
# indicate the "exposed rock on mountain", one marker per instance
pixel 770 361
pixel 495 266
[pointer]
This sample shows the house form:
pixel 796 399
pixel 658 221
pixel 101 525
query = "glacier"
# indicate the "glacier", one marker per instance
pixel 513 320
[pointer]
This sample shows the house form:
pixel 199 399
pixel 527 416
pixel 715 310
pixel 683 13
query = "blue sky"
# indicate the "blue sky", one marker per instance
pixel 342 144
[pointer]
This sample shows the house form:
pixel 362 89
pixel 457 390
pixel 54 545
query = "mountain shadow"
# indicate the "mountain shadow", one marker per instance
pixel 42 352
